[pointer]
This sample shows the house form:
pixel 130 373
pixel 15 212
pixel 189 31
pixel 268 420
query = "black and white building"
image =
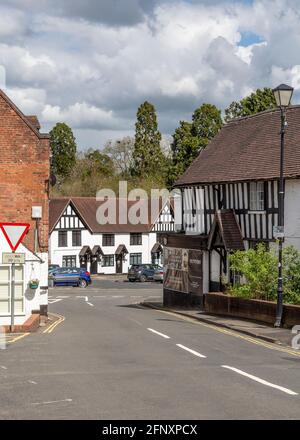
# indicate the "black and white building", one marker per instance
pixel 77 239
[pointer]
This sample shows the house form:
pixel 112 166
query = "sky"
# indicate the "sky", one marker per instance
pixel 91 63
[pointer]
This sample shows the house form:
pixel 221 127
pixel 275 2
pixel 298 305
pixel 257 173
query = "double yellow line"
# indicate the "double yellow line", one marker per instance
pixel 51 327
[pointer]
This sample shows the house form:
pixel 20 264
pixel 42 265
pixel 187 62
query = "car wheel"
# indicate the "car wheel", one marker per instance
pixel 143 278
pixel 131 280
pixel 83 283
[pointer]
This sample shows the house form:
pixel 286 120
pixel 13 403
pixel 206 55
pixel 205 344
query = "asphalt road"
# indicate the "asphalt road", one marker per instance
pixel 111 359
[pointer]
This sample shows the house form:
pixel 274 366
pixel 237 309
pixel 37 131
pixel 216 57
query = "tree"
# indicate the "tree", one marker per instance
pixel 96 162
pixel 121 152
pixel 63 148
pixel 148 158
pixel 262 99
pixel 191 137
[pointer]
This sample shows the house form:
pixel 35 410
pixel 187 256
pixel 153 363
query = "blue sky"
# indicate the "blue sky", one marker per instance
pixel 90 63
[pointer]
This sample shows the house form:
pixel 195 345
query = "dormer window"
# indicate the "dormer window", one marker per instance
pixel 257 196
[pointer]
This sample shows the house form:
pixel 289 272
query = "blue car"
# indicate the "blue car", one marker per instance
pixel 70 276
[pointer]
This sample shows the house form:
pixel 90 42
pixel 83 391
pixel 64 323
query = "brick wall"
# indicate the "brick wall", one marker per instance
pixel 24 172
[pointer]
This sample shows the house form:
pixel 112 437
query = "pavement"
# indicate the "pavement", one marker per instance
pixel 281 336
pixel 107 357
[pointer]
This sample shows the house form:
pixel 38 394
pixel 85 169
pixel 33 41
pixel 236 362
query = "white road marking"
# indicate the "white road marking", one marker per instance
pixel 52 301
pixel 63 296
pixel 51 401
pixel 262 381
pixel 118 296
pixel 139 296
pixel 191 351
pixel 90 304
pixel 3 367
pixel 158 333
pixel 33 382
pixel 101 296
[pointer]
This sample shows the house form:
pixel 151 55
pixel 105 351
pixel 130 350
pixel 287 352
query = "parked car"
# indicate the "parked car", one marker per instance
pixel 52 267
pixel 142 272
pixel 159 275
pixel 70 276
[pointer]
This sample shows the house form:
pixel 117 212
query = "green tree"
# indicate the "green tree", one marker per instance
pixel 97 162
pixel 192 137
pixel 63 149
pixel 262 99
pixel 147 156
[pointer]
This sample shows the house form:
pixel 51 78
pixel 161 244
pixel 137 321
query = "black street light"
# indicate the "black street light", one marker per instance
pixel 283 95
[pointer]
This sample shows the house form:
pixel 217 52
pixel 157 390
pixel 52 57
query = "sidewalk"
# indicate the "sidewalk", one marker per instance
pixel 265 332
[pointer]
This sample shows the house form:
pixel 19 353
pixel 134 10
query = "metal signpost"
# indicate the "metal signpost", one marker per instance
pixel 14 234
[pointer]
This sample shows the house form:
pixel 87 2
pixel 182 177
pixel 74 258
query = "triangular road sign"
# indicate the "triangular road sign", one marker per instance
pixel 14 233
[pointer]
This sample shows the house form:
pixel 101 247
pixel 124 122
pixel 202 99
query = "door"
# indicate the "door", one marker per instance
pixel 119 264
pixel 94 265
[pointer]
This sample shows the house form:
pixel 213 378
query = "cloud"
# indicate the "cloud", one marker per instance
pixel 91 63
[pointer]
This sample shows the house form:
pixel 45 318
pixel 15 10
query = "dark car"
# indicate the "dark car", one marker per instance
pixel 52 267
pixel 142 272
pixel 70 276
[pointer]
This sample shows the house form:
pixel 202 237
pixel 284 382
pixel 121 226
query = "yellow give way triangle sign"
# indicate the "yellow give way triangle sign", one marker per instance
pixel 14 233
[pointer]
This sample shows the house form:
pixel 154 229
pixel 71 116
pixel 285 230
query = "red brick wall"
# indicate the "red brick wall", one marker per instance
pixel 24 173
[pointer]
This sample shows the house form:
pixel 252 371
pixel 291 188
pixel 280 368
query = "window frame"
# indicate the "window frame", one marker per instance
pixel 76 233
pixel 111 260
pixel 60 235
pixel 257 200
pixel 17 298
pixel 132 257
pixel 106 242
pixel 136 239
pixel 71 257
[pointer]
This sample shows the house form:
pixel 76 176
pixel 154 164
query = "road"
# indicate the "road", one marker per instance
pixel 112 359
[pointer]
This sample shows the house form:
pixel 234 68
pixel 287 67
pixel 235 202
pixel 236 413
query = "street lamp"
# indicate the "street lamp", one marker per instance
pixel 283 96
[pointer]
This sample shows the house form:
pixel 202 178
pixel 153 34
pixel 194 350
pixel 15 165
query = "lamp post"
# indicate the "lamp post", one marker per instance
pixel 283 96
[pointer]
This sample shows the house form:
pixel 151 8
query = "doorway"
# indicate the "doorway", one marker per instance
pixel 119 263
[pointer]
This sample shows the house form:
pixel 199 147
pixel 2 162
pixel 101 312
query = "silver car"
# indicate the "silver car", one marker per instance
pixel 159 275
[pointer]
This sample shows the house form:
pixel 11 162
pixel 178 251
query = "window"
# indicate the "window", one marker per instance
pixel 69 261
pixel 135 259
pixel 108 240
pixel 257 196
pixel 5 290
pixel 108 260
pixel 76 238
pixel 135 239
pixel 62 238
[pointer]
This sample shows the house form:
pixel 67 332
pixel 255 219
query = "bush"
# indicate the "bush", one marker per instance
pixel 259 268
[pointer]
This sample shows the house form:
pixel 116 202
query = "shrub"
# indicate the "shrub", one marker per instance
pixel 259 267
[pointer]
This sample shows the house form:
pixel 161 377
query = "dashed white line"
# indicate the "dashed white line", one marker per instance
pixel 3 367
pixel 32 381
pixel 51 401
pixel 90 304
pixel 136 296
pixel 262 381
pixel 118 296
pixel 63 296
pixel 158 333
pixel 191 351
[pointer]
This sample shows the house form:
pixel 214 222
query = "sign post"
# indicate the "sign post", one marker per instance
pixel 14 234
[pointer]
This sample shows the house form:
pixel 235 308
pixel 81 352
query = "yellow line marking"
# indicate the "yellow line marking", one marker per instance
pixel 54 324
pixel 271 346
pixel 17 338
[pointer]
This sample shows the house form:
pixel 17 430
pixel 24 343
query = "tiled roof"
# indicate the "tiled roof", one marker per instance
pixel 248 149
pixel 225 221
pixel 87 208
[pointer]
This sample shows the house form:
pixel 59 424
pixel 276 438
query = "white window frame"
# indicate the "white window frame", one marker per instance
pixel 257 196
pixel 8 282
